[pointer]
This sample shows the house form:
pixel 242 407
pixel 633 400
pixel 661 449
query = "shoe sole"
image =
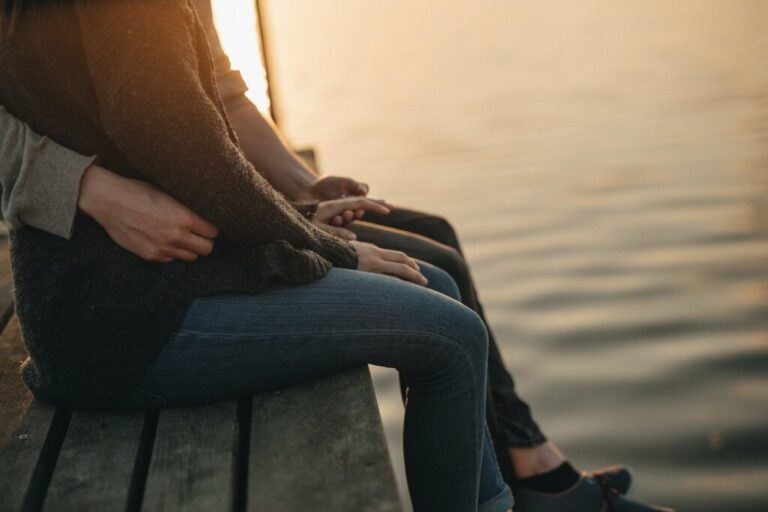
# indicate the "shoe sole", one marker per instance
pixel 631 487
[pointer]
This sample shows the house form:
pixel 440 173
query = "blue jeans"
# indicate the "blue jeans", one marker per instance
pixel 234 345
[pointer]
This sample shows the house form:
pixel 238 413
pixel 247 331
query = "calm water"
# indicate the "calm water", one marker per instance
pixel 607 166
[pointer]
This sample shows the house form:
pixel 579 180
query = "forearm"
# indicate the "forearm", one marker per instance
pixel 261 141
pixel 264 146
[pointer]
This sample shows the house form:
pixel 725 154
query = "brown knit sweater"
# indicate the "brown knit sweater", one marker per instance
pixel 132 82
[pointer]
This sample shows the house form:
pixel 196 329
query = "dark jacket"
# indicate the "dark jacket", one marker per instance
pixel 132 81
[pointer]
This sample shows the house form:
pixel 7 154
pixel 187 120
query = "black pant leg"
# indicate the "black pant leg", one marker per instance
pixel 431 226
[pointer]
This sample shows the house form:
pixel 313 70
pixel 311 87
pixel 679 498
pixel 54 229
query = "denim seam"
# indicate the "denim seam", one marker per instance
pixel 221 302
pixel 209 334
pixel 314 304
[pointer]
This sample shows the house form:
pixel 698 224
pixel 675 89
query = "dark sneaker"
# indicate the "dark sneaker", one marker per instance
pixel 589 494
pixel 617 476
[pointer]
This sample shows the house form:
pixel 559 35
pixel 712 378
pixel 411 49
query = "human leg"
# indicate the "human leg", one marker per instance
pixel 233 345
pixel 494 493
pixel 522 462
pixel 509 417
pixel 428 225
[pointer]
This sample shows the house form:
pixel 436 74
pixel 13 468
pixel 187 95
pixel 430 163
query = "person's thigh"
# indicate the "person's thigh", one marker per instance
pixel 425 224
pixel 233 345
pixel 425 249
pixel 415 245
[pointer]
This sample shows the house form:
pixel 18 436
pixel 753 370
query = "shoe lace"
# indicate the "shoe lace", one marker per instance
pixel 610 491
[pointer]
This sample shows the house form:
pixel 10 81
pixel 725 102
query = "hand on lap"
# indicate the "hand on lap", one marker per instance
pixel 372 258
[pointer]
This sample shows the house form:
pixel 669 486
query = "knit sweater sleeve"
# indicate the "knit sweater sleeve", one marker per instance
pixel 146 72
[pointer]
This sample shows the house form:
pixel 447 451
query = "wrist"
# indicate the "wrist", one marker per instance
pixel 304 188
pixel 96 186
pixel 307 210
pixel 89 184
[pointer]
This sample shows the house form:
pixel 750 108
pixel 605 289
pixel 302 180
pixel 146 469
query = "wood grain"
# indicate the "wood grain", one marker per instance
pixel 95 463
pixel 320 446
pixel 193 461
pixel 24 459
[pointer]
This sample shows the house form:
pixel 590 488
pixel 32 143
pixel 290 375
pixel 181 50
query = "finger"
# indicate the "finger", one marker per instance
pixel 150 253
pixel 337 221
pixel 341 233
pixel 202 227
pixel 403 272
pixel 348 215
pixel 361 189
pixel 336 207
pixel 184 255
pixel 196 244
pixel 359 214
pixel 399 257
pixel 363 203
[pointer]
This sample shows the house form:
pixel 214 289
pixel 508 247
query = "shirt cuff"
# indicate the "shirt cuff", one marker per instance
pixel 230 84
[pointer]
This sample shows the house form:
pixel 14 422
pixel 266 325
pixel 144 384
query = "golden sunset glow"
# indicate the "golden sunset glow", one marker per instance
pixel 236 23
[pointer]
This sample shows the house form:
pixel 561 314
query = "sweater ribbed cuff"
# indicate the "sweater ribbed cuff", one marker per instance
pixel 339 252
pixel 307 210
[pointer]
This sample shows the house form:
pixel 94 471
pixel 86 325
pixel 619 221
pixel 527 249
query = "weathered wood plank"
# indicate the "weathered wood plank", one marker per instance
pixel 320 446
pixel 309 155
pixel 14 395
pixel 6 284
pixel 95 462
pixel 194 458
pixel 30 432
pixel 29 455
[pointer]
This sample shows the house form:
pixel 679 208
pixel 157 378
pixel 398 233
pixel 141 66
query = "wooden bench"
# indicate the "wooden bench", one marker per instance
pixel 317 446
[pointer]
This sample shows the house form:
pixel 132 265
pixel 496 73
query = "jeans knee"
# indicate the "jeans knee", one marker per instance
pixel 458 351
pixel 440 281
pixel 479 337
pixel 451 261
pixel 470 341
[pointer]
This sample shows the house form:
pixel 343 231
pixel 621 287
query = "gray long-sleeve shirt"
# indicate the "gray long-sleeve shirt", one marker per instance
pixel 40 180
